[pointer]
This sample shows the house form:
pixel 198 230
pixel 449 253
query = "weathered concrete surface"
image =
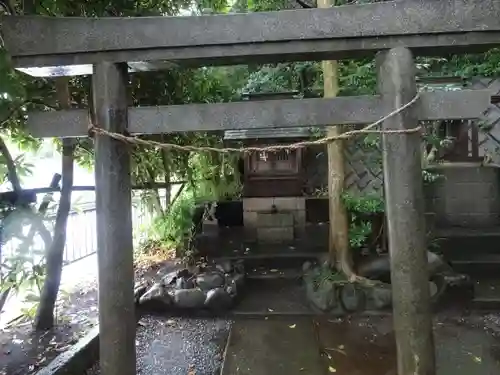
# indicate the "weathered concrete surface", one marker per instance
pixel 347 30
pixel 273 347
pixel 405 216
pixel 465 345
pixel 276 297
pixel 76 359
pixel 467 196
pixel 258 114
pixel 117 318
pixel 53 35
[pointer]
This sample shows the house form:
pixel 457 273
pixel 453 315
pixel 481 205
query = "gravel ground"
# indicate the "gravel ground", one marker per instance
pixel 179 346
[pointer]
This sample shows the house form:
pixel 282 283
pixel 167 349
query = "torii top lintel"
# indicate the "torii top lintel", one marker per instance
pixel 429 27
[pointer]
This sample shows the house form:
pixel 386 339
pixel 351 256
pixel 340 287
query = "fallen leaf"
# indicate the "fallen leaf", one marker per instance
pixel 293 326
pixel 332 369
pixel 477 359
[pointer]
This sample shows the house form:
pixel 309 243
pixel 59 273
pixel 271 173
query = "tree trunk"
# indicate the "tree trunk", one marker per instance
pixel 168 186
pixel 156 200
pixel 339 227
pixel 44 319
pixel 45 313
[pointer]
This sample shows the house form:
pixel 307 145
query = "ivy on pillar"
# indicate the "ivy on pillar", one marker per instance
pixel 117 324
pixel 404 197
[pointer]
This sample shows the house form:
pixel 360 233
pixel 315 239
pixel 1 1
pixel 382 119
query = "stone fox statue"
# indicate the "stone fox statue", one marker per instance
pixel 441 274
pixel 202 212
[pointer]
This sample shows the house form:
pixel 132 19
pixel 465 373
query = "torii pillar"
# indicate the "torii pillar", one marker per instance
pixel 117 322
pixel 404 196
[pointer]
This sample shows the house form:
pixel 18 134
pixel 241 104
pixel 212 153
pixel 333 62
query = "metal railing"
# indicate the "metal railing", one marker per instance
pixel 81 237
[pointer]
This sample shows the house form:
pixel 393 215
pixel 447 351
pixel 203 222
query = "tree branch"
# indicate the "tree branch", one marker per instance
pixel 304 4
pixel 44 319
pixel 17 108
pixel 11 167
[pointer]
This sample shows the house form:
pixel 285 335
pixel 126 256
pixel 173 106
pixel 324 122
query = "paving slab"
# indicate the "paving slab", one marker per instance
pixel 273 347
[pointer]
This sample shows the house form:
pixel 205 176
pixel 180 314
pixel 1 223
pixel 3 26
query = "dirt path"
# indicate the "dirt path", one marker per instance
pixel 24 352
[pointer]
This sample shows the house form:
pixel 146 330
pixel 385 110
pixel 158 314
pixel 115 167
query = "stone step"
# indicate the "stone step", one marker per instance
pixel 270 274
pixel 486 304
pixel 279 219
pixel 274 260
pixel 273 297
pixel 477 265
pixel 457 243
pixel 486 293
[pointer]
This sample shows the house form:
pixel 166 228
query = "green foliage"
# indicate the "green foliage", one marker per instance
pixel 326 274
pixel 172 229
pixel 23 168
pixel 367 204
pixel 361 210
pixel 209 176
pixel 430 177
pixel 210 181
pixel 22 270
pixel 267 5
pixel 468 65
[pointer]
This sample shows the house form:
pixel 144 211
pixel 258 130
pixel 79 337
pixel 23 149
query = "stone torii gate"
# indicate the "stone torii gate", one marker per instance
pixel 108 47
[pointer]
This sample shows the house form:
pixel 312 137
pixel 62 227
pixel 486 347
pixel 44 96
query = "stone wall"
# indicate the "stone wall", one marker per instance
pixel 489 136
pixel 363 170
pixel 286 224
pixel 467 195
